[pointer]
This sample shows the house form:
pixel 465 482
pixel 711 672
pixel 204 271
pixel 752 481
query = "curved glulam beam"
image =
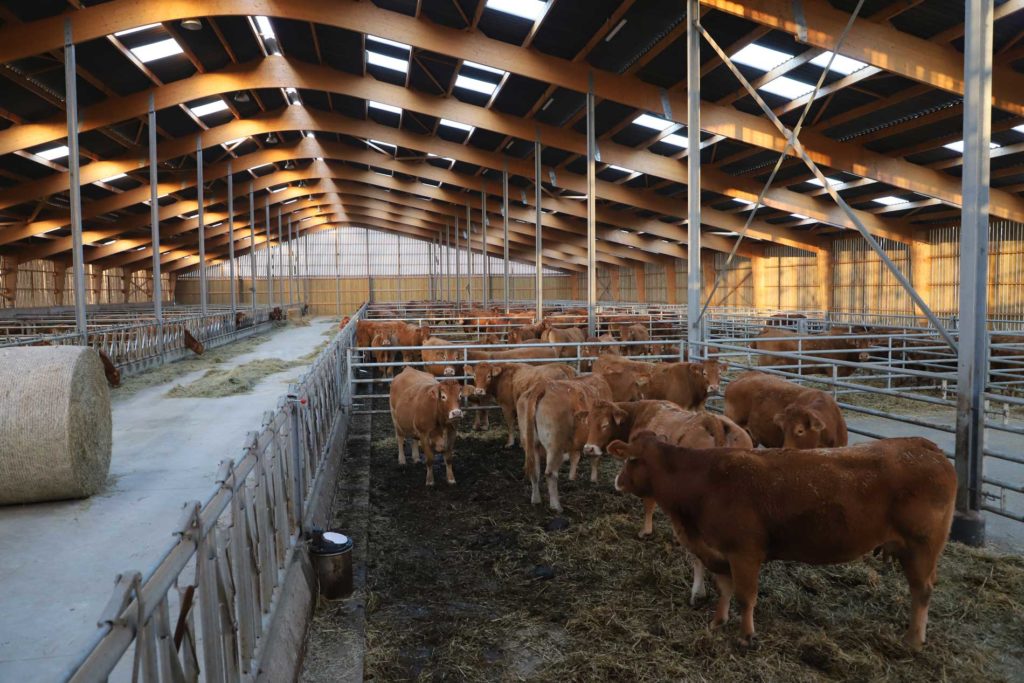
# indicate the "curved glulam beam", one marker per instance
pixel 715 119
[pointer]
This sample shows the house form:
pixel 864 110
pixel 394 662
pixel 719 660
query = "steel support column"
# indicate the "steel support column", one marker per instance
pixel 398 257
pixel 470 268
pixel 270 253
pixel 280 260
pixel 292 293
pixel 231 243
pixel 307 283
pixel 694 328
pixel 486 268
pixel 448 262
pixel 591 214
pixel 504 231
pixel 204 292
pixel 972 361
pixel 154 227
pixel 252 249
pixel 538 234
pixel 75 191
pixel 369 273
pixel 458 265
pixel 337 270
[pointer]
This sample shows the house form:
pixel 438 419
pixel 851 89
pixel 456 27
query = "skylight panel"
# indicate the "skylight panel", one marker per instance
pixel 382 60
pixel 456 125
pixel 677 140
pixel 832 182
pixel 157 50
pixel 787 87
pixel 800 216
pixel 128 31
pixel 265 28
pixel 525 9
pixel 381 143
pixel 475 85
pixel 653 122
pixel 841 64
pixel 889 200
pixel 483 67
pixel 745 202
pixel 279 188
pixel 1019 129
pixel 53 153
pixel 621 168
pixel 760 57
pixel 291 201
pixel 385 41
pixel 958 146
pixel 209 108
pixel 117 176
pixel 384 107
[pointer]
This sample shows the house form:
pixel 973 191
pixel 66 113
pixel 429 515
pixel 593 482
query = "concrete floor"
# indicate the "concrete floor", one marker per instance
pixel 58 561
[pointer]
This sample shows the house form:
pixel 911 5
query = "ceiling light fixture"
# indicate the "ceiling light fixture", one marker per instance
pixel 192 25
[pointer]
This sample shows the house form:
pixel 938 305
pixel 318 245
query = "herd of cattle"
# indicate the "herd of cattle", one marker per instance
pixel 806 496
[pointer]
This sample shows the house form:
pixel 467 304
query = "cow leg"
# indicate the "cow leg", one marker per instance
pixel 401 447
pixel 648 529
pixel 697 589
pixel 476 420
pixel 509 414
pixel 428 452
pixel 486 418
pixel 744 580
pixel 574 461
pixel 539 453
pixel 594 460
pixel 415 451
pixel 724 583
pixel 555 461
pixel 919 567
pixel 449 457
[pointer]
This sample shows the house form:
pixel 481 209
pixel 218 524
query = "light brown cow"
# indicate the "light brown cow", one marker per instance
pixel 383 340
pixel 426 411
pixel 562 335
pixel 440 356
pixel 525 333
pixel 685 384
pixel 193 344
pixel 587 364
pixel 738 508
pixel 537 354
pixel 481 417
pixel 506 382
pixel 634 332
pixel 849 349
pixel 549 429
pixel 780 414
pixel 411 335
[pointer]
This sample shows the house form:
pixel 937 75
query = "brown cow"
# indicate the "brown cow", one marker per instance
pixel 550 429
pixel 411 335
pixel 437 353
pixel 530 354
pixel 685 384
pixel 587 365
pixel 633 333
pixel 506 382
pixel 847 349
pixel 738 508
pixel 481 417
pixel 525 333
pixel 781 414
pixel 193 344
pixel 426 411
pixel 276 313
pixel 242 321
pixel 383 341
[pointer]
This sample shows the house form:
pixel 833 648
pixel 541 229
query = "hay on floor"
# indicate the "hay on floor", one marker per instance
pixel 241 379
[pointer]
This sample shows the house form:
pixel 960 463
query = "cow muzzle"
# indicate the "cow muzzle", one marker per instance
pixel 591 449
pixel 864 357
pixel 478 392
pixel 454 414
pixel 449 372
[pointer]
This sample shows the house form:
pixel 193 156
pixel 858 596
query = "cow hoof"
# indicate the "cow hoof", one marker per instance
pixel 430 483
pixel 510 444
pixel 717 623
pixel 572 476
pixel 696 598
pixel 644 535
pixel 451 482
pixel 748 642
pixel 912 644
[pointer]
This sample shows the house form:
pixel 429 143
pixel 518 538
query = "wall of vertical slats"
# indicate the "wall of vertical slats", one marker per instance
pixel 862 283
pixel 790 279
pixel 736 288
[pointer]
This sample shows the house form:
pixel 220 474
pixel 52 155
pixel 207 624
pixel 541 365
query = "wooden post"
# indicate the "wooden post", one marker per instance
pixel 60 274
pixel 825 297
pixel 670 282
pixel 95 285
pixel 9 280
pixel 641 283
pixel 126 285
pixel 921 269
pixel 759 275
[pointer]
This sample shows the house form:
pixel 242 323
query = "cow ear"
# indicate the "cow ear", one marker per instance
pixel 618 414
pixel 435 393
pixel 496 370
pixel 642 381
pixel 779 419
pixel 467 369
pixel 618 449
pixel 817 425
pixel 581 415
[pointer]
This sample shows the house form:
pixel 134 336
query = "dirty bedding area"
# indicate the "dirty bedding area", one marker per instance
pixel 472 583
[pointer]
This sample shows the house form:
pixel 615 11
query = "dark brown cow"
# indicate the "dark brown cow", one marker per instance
pixel 525 333
pixel 193 344
pixel 549 429
pixel 426 411
pixel 242 321
pixel 738 508
pixel 849 349
pixel 276 313
pixel 633 333
pixel 506 382
pixel 779 414
pixel 109 369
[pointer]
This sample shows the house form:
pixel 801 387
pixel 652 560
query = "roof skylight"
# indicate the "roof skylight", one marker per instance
pixel 889 200
pixel 384 107
pixel 382 60
pixel 475 85
pixel 128 31
pixel 958 146
pixel 456 125
pixel 787 87
pixel 760 57
pixel 116 176
pixel 381 143
pixel 621 168
pixel 53 153
pixel 209 108
pixel 832 182
pixel 525 9
pixel 841 64
pixel 653 122
pixel 385 41
pixel 265 28
pixel 677 140
pixel 483 67
pixel 157 50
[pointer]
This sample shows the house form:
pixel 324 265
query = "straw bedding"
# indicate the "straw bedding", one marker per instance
pixel 55 423
pixel 471 582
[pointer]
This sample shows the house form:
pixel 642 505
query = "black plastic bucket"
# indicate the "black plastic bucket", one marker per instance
pixel 331 553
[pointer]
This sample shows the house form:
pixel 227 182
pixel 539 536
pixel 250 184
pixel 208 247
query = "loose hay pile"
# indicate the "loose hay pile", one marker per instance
pixel 172 371
pixel 466 583
pixel 240 379
pixel 55 425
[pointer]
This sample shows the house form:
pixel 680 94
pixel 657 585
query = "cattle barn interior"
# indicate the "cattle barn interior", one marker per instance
pixel 582 340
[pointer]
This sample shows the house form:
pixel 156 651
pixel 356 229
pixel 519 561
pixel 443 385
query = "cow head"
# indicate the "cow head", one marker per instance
pixel 602 422
pixel 448 394
pixel 421 335
pixel 636 475
pixel 802 428
pixel 344 322
pixel 482 374
pixel 382 339
pixel 862 344
pixel 490 338
pixel 712 370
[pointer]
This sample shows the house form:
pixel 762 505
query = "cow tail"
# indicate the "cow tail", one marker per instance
pixel 528 431
pixel 716 428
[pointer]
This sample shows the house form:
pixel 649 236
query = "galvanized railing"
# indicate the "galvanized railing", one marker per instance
pixel 203 610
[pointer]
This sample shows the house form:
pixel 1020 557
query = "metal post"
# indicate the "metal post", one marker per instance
pixel 504 223
pixel 306 281
pixel 486 289
pixel 458 266
pixel 291 264
pixel 75 194
pixel 337 270
pixel 398 255
pixel 252 251
pixel 448 262
pixel 154 228
pixel 200 219
pixel 968 524
pixel 591 213
pixel 231 242
pixel 280 260
pixel 470 267
pixel 694 328
pixel 270 253
pixel 538 234
pixel 369 273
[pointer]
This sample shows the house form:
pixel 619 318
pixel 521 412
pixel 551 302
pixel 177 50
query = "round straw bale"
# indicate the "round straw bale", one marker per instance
pixel 55 428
